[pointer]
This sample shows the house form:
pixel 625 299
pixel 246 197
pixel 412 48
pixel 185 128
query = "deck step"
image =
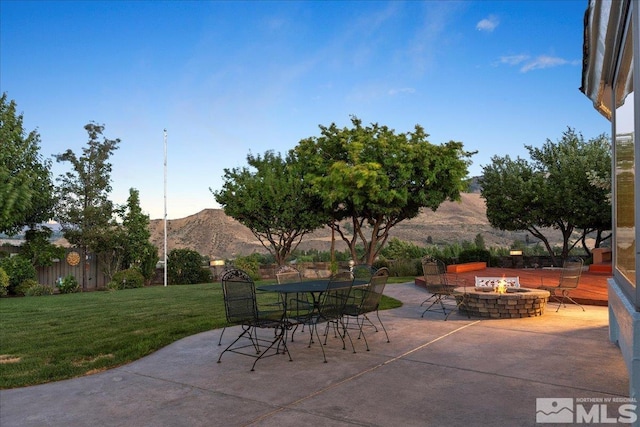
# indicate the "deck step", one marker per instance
pixel 604 267
pixel 465 267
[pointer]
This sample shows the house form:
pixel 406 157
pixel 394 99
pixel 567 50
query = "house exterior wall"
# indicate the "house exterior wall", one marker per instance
pixel 612 52
pixel 624 295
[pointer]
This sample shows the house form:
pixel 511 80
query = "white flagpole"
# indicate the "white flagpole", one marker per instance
pixel 165 208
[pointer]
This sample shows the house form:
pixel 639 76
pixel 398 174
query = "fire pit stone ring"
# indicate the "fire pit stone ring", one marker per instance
pixel 515 303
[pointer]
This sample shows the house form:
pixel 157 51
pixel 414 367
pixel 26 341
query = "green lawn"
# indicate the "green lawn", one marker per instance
pixel 51 338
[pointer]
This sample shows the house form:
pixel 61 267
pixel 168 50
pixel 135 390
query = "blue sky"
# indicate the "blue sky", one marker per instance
pixel 226 79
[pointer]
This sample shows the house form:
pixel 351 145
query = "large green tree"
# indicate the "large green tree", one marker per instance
pixel 26 187
pixel 370 179
pixel 139 252
pixel 554 190
pixel 272 198
pixel 126 244
pixel 84 209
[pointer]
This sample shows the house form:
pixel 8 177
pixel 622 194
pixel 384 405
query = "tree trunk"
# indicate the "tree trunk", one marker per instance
pixel 333 250
pixel 85 266
pixel 537 234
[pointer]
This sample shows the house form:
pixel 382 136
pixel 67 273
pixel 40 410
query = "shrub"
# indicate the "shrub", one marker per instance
pixel 22 288
pixel 112 286
pixel 127 279
pixel 472 255
pixel 250 264
pixel 19 269
pixel 398 249
pixel 148 262
pixel 4 282
pixel 314 255
pixel 403 268
pixel 68 285
pixel 185 267
pixel 31 288
pixel 379 263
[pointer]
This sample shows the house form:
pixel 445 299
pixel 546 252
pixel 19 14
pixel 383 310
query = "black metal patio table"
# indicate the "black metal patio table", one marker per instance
pixel 315 287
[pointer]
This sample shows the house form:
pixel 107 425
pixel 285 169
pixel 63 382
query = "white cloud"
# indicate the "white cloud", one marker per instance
pixel 543 61
pixel 513 59
pixel 488 24
pixel 394 92
pixel 527 63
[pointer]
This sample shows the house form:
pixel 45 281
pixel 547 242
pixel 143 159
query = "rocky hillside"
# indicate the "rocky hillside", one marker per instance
pixel 212 233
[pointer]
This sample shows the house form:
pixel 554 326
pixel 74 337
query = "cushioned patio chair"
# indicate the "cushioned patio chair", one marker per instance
pixel 569 279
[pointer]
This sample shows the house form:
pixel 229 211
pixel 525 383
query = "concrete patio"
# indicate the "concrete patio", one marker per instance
pixel 459 372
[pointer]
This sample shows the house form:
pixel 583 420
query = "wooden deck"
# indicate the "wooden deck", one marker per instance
pixel 592 288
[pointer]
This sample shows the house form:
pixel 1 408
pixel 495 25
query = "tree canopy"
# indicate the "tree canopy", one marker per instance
pixel 554 190
pixel 84 209
pixel 373 179
pixel 26 188
pixel 273 199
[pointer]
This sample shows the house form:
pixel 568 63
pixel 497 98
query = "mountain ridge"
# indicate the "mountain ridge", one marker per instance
pixel 212 233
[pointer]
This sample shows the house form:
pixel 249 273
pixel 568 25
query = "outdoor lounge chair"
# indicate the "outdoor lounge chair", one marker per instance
pixel 437 283
pixel 569 279
pixel 241 308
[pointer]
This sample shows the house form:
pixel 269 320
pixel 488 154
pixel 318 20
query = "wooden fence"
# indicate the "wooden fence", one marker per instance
pixel 71 264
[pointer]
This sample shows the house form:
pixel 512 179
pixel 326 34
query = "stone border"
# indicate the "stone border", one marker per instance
pixel 525 302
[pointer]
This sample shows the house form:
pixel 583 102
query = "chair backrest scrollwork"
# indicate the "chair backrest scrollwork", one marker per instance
pixel 239 294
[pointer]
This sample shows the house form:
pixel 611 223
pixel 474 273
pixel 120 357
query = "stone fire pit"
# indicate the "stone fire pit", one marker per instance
pixel 515 303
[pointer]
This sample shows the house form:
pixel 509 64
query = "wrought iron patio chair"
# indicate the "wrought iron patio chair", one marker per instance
pixel 277 304
pixel 330 310
pixel 241 308
pixel 438 284
pixel 569 279
pixel 224 271
pixel 299 305
pixel 288 274
pixel 367 300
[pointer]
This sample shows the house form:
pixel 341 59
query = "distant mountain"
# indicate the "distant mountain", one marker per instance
pixel 54 226
pixel 18 239
pixel 210 232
